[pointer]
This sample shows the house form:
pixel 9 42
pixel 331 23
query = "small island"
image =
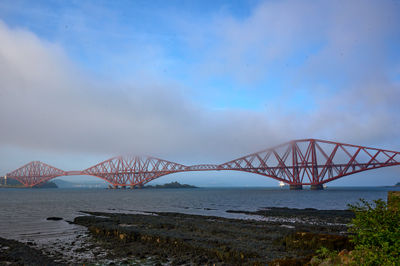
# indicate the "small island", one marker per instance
pixel 171 185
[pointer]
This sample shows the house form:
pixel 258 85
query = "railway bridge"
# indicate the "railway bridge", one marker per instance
pixel 296 163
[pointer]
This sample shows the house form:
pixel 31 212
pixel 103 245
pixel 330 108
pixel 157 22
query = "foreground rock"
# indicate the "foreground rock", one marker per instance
pixel 191 239
pixel 54 218
pixel 16 253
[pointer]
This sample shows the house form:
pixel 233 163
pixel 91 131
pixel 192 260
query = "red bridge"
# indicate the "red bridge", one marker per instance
pixel 297 163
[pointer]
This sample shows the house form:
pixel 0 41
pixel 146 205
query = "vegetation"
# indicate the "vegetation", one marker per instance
pixel 326 254
pixel 375 233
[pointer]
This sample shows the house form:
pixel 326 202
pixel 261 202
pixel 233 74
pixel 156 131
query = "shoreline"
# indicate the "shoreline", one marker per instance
pixel 13 252
pixel 177 239
pixel 193 239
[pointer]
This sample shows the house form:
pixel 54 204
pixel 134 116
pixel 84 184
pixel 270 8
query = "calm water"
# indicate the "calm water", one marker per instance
pixel 23 212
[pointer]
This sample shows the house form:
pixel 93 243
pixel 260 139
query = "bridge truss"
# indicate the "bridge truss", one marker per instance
pixel 297 163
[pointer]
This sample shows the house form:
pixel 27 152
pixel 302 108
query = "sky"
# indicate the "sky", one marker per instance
pixel 196 81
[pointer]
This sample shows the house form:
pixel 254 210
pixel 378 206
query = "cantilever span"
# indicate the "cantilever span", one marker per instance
pixel 297 163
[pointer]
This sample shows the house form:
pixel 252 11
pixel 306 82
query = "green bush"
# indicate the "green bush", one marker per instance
pixel 375 233
pixel 326 253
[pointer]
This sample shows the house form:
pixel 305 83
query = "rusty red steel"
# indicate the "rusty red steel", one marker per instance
pixel 34 173
pixel 299 162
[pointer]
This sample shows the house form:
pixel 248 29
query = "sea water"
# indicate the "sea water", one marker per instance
pixel 23 212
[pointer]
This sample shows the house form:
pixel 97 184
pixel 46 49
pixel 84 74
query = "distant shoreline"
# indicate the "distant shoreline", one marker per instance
pixel 170 185
pixel 178 185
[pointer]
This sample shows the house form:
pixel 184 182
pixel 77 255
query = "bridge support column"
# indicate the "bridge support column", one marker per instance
pixel 295 187
pixel 132 187
pixel 317 187
pixel 115 187
pixel 123 187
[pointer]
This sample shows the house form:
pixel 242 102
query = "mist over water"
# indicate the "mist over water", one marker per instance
pixel 23 212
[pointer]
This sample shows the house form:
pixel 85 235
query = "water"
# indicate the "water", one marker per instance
pixel 23 212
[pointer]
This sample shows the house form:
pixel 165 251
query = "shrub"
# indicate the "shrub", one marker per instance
pixel 375 233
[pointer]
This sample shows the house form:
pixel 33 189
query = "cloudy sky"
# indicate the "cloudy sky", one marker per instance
pixel 196 81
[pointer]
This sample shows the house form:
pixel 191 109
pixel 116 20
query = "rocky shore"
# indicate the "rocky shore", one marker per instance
pixel 303 216
pixel 276 236
pixel 182 239
pixel 16 253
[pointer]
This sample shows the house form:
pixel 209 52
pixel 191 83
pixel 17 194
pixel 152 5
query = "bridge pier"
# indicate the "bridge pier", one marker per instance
pixel 137 186
pixel 115 187
pixel 295 187
pixel 317 187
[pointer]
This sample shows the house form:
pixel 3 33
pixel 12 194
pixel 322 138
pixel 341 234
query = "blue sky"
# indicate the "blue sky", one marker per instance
pixel 195 81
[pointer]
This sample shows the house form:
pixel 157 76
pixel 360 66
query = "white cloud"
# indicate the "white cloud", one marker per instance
pixel 48 103
pixel 340 53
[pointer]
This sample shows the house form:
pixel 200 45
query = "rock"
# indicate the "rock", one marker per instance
pixel 345 257
pixel 193 239
pixel 315 261
pixel 313 241
pixel 54 218
pixel 19 253
pixel 343 252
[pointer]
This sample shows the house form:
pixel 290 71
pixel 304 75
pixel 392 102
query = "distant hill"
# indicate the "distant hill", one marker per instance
pixel 48 184
pixel 398 184
pixel 84 184
pixel 63 184
pixel 171 185
pixel 12 182
pixel 16 183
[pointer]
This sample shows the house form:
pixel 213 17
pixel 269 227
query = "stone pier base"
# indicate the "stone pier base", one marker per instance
pixel 317 187
pixel 296 187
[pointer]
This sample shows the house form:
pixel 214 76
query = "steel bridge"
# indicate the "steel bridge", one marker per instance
pixel 299 162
